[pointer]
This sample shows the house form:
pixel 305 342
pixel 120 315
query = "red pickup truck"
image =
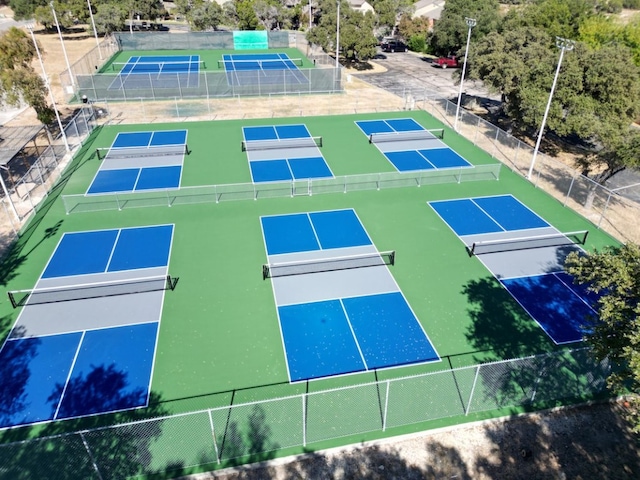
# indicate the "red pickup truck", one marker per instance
pixel 446 62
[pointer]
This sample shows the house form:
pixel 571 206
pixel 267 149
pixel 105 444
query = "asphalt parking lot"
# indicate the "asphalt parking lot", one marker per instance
pixel 416 72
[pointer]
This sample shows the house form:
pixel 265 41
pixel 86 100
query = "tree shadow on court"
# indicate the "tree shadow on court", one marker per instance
pixel 499 324
pixel 60 453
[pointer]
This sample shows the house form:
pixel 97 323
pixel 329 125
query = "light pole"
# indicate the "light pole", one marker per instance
pixel 309 14
pixel 563 44
pixel 64 50
pixel 471 22
pixel 47 84
pixel 95 32
pixel 338 37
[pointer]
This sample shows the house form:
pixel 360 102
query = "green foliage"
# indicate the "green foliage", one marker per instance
pixel 357 41
pixel 599 30
pixel 632 4
pixel 450 32
pixel 204 15
pixel 417 43
pixel 556 17
pixel 410 27
pixel 614 273
pixel 110 17
pixel 18 80
pixel 245 16
pixel 24 9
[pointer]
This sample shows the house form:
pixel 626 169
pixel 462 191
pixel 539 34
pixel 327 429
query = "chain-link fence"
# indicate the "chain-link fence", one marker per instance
pixel 255 430
pixel 34 186
pixel 255 191
pixel 83 79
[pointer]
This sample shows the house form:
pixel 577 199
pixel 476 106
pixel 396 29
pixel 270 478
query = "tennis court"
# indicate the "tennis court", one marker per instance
pixel 139 161
pixel 526 254
pixel 409 146
pixel 85 337
pixel 340 309
pixel 262 69
pixel 157 71
pixel 283 152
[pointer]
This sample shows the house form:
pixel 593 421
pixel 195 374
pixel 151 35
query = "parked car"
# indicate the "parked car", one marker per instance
pixel 393 46
pixel 448 62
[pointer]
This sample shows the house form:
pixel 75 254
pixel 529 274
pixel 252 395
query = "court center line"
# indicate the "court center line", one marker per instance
pixel 66 383
pixel 315 234
pixel 355 339
pixel 113 249
pixel 574 292
pixel 488 215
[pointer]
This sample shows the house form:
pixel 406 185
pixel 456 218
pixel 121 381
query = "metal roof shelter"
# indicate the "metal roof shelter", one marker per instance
pixel 12 141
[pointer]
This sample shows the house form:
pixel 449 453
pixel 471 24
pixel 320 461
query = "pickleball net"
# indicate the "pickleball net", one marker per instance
pixel 20 298
pixel 303 142
pixel 266 64
pixel 148 151
pixel 284 269
pixel 529 242
pixel 412 135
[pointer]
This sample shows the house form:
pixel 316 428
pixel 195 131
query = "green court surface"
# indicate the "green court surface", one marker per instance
pixel 210 58
pixel 219 339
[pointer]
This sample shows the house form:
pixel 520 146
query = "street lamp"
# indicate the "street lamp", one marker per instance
pixel 471 22
pixel 64 50
pixel 563 44
pixel 95 32
pixel 48 85
pixel 338 37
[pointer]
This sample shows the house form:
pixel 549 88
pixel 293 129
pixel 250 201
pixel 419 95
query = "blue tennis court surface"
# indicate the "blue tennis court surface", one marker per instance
pixel 139 161
pixel 409 146
pixel 262 68
pixel 533 276
pixel 158 71
pixel 61 361
pixel 368 324
pixel 279 153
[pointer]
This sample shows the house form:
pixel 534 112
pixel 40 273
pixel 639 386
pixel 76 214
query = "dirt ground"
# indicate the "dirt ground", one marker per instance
pixel 586 442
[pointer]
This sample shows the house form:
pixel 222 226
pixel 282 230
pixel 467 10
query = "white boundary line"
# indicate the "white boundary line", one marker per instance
pixel 66 383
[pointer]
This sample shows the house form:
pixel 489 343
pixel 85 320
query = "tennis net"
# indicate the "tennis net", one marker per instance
pixel 249 145
pixel 284 269
pixel 158 67
pixel 534 241
pixel 150 151
pixel 406 136
pixel 20 298
pixel 267 64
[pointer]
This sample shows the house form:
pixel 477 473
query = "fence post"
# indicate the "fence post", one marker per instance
pixel 304 419
pixel 473 389
pixel 604 210
pixel 386 407
pixel 566 198
pixel 213 436
pixel 93 460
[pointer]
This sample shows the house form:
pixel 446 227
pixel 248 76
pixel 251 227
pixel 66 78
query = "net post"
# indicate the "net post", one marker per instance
pixel 99 157
pixel 392 257
pixel 265 271
pixel 584 239
pixel 371 138
pixel 12 300
pixel 186 149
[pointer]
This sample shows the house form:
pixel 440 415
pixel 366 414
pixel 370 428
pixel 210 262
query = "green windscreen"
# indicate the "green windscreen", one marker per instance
pixel 249 40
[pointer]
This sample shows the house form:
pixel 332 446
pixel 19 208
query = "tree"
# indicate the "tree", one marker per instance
pixel 450 32
pixel 110 17
pixel 614 274
pixel 24 9
pixel 556 17
pixel 357 42
pixel 18 80
pixel 204 15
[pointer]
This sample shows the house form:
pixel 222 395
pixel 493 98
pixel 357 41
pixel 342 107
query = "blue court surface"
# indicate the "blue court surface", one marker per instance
pixel 75 373
pixel 158 71
pixel 282 160
pixel 408 153
pixel 139 161
pixel 337 336
pixel 562 309
pixel 262 69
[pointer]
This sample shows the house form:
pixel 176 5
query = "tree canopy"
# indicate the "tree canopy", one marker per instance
pixel 19 82
pixel 614 273
pixel 357 42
